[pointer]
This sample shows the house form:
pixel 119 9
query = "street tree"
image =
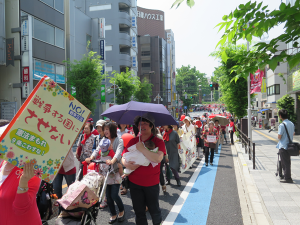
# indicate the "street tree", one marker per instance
pixel 125 85
pixel 253 20
pixel 143 91
pixel 234 92
pixel 288 103
pixel 85 76
pixel 188 80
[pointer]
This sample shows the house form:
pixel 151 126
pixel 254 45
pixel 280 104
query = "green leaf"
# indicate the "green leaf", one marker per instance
pixel 177 2
pixel 225 17
pixel 228 25
pixel 249 37
pixel 273 63
pixel 223 25
pixel 241 6
pixel 190 3
pixel 224 56
pixel 263 8
pixel 294 61
pixel 259 5
pixel 282 6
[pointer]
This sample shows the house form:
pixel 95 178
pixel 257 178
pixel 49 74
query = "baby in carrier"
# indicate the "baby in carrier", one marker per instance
pixel 133 155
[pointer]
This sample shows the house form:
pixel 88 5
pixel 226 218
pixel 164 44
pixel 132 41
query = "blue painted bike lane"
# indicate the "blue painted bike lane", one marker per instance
pixel 210 196
pixel 196 207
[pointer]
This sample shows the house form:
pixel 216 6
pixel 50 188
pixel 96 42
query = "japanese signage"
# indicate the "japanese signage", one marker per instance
pixel 10 47
pixel 25 74
pixel 41 69
pixel 264 85
pixel 101 27
pixel 44 129
pixel 211 138
pixel 133 41
pixel 256 81
pixel 102 92
pixel 102 49
pixel 150 16
pixel 134 64
pixel 25 89
pixel 133 21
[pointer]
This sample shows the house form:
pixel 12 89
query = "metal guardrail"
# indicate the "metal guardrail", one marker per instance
pixel 248 145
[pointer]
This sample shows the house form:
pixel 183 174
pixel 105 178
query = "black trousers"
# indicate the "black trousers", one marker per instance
pixel 212 153
pixel 286 163
pixel 161 176
pixel 231 137
pixel 142 197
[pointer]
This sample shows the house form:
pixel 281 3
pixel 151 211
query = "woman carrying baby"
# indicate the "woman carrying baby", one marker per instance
pixel 144 180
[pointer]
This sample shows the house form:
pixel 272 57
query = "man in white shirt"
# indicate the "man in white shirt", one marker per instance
pixel 283 144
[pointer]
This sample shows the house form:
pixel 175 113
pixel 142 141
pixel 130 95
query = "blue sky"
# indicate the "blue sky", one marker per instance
pixel 194 30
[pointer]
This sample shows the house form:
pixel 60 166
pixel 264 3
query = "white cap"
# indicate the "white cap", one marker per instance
pixel 100 123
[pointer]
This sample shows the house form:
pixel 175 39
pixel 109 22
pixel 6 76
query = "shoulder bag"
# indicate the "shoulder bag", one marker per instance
pixel 293 147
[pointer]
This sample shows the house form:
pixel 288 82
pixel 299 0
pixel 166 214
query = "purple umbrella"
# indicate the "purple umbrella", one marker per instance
pixel 125 114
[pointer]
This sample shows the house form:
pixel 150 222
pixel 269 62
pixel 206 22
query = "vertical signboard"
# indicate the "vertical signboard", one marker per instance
pixel 25 89
pixel 133 21
pixel 2 32
pixel 10 52
pixel 25 74
pixel 133 41
pixel 134 61
pixel 101 28
pixel 102 92
pixel 102 49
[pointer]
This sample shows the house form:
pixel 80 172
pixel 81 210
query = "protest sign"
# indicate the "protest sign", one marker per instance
pixel 44 129
pixel 211 138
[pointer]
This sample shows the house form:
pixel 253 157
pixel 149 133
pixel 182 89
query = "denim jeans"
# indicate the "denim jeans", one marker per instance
pixel 145 196
pixel 112 195
pixel 57 182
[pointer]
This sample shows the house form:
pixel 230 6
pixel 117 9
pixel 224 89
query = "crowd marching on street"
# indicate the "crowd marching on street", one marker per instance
pixel 144 157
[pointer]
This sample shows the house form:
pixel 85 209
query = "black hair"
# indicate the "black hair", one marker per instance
pixel 170 127
pixel 231 119
pixel 119 126
pixel 217 121
pixel 283 113
pixel 3 122
pixel 90 126
pixel 149 144
pixel 112 129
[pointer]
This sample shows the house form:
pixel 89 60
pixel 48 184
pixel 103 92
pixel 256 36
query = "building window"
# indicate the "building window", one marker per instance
pixel 47 33
pixel 100 7
pixel 145 53
pixel 59 38
pixel 145 64
pixel 43 31
pixel 273 90
pixel 56 4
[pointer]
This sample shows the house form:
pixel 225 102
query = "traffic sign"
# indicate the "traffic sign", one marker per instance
pixel 203 94
pixel 185 107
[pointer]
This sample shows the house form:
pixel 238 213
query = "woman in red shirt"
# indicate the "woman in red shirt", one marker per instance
pixel 18 191
pixel 231 130
pixel 144 180
pixel 210 131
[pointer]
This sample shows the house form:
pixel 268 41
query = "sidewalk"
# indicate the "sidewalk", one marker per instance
pixel 279 202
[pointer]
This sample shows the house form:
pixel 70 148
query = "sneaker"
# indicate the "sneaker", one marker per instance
pixel 206 164
pixel 211 164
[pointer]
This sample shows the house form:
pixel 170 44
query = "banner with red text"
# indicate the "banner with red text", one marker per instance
pixel 256 81
pixel 44 129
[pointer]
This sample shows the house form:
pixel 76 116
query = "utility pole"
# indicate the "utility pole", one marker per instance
pixel 249 103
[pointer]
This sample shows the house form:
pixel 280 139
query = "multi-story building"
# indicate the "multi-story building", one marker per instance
pixel 34 46
pixel 156 55
pixel 111 28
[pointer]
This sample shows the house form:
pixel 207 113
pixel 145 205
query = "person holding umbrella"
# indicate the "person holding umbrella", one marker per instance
pixel 144 180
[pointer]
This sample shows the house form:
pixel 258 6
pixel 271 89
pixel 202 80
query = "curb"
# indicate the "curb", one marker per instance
pixel 255 204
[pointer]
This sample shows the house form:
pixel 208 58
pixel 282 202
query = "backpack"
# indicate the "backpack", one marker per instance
pixel 43 200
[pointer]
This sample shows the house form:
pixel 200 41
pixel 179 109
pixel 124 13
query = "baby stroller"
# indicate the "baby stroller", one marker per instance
pixel 89 216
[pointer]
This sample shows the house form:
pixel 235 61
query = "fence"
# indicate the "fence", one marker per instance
pixel 249 146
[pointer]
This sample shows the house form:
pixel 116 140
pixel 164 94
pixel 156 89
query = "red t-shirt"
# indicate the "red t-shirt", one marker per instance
pixel 146 176
pixel 218 129
pixel 223 127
